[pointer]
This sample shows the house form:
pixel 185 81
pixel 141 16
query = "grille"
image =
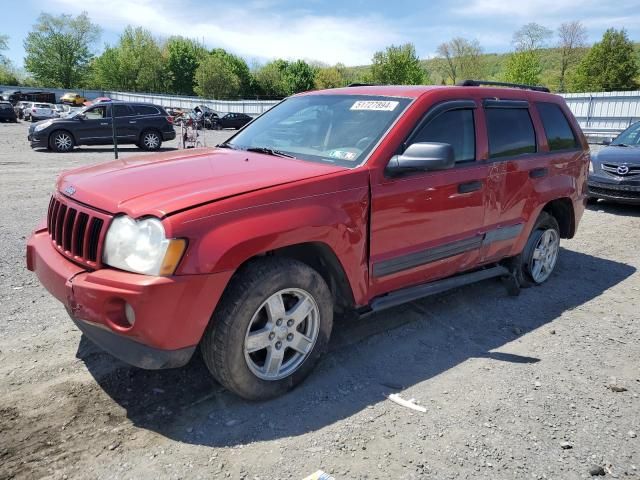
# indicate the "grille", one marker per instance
pixel 635 195
pixel 612 169
pixel 77 232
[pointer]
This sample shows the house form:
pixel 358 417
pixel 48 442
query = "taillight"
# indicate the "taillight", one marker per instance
pixel 170 120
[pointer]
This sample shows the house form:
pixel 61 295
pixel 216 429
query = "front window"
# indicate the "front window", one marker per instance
pixel 630 137
pixel 338 129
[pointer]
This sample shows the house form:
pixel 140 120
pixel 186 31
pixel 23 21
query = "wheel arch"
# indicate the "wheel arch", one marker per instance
pixel 562 210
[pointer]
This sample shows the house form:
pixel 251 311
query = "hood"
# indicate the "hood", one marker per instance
pixel 627 155
pixel 164 183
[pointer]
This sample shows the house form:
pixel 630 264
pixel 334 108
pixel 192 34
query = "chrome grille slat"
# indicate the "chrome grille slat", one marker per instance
pixel 76 231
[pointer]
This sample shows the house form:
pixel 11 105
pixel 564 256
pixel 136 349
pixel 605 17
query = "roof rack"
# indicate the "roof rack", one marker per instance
pixel 479 83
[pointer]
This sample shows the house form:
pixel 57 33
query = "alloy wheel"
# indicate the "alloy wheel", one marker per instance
pixel 545 255
pixel 281 334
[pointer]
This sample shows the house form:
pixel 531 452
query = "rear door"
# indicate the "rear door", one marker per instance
pixel 126 127
pixel 428 225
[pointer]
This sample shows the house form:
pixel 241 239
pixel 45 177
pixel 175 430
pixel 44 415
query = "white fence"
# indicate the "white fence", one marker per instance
pixel 599 114
pixel 250 107
pixel 604 114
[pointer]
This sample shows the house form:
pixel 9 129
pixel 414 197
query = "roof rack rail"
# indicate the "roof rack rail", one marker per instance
pixel 479 83
pixel 361 85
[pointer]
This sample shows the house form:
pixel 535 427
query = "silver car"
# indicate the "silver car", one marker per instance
pixel 42 111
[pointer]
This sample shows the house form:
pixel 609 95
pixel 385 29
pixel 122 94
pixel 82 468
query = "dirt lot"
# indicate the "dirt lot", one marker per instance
pixel 544 385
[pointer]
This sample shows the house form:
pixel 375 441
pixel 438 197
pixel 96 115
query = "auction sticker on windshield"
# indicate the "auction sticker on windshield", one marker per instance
pixel 385 106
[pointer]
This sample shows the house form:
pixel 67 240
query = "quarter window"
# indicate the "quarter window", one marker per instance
pixel 454 127
pixel 121 111
pixel 145 110
pixel 510 132
pixel 556 127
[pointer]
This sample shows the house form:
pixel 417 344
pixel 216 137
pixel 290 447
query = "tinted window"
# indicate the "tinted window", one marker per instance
pixel 145 110
pixel 121 111
pixel 454 127
pixel 510 132
pixel 556 127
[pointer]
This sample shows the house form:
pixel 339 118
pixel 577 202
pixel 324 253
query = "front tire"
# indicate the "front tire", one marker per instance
pixel 61 141
pixel 270 328
pixel 150 140
pixel 540 254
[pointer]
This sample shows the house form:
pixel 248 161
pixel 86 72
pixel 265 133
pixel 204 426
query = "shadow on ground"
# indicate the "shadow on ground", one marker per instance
pixel 621 209
pixel 369 358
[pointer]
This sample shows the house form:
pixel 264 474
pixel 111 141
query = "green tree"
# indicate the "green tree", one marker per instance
pixel 4 45
pixel 58 49
pixel 299 76
pixel 610 65
pixel 331 77
pixel 398 65
pixel 523 67
pixel 216 78
pixel 183 58
pixel 136 64
pixel 7 73
pixel 269 78
pixel 240 68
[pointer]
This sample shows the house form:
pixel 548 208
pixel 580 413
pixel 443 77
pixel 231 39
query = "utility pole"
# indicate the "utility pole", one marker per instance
pixel 113 130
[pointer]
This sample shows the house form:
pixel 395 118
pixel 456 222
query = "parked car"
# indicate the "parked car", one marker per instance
pixel 382 195
pixel 232 120
pixel 7 113
pixel 97 100
pixel 39 97
pixel 143 124
pixel 26 110
pixel 73 98
pixel 42 111
pixel 614 172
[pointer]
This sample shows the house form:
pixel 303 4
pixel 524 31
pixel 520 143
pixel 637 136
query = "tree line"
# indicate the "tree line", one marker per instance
pixel 59 53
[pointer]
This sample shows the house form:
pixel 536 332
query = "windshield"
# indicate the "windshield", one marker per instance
pixel 631 136
pixel 339 129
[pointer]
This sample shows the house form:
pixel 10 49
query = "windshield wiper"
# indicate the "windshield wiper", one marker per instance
pixel 619 145
pixel 269 151
pixel 227 145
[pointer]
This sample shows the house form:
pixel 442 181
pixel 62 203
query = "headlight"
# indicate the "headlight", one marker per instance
pixel 140 246
pixel 591 166
pixel 42 126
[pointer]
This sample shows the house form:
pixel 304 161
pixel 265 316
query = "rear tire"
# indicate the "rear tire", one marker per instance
pixel 540 255
pixel 150 140
pixel 257 344
pixel 61 141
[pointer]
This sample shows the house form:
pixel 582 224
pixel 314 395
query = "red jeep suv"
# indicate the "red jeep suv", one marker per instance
pixel 352 199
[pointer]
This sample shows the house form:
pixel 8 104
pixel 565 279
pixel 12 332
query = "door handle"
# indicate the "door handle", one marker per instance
pixel 132 121
pixel 106 123
pixel 469 187
pixel 538 172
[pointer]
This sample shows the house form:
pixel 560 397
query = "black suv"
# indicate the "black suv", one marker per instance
pixel 143 124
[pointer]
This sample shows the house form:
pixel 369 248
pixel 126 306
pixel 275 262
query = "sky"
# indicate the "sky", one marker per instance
pixel 328 31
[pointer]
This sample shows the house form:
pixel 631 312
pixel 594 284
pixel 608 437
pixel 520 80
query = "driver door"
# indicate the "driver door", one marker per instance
pixel 428 225
pixel 95 128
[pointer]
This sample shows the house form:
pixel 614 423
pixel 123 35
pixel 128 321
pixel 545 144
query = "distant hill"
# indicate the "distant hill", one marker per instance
pixel 494 65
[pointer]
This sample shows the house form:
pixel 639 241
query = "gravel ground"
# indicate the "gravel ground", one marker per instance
pixel 544 385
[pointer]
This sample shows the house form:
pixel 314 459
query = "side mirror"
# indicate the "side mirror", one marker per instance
pixel 423 156
pixel 81 116
pixel 607 141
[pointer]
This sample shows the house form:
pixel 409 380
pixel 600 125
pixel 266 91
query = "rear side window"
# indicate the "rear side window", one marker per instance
pixel 121 111
pixel 454 127
pixel 556 127
pixel 510 132
pixel 145 110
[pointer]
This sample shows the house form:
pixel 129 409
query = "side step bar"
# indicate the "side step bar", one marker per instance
pixel 419 291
